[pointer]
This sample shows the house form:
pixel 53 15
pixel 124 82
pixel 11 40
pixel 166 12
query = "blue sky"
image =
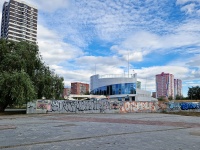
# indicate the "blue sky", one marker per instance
pixel 74 36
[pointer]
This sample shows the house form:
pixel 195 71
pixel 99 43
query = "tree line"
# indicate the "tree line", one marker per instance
pixel 194 92
pixel 24 76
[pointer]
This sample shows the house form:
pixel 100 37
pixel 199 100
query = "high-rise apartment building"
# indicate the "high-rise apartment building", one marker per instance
pixel 165 85
pixel 79 88
pixel 177 87
pixel 19 21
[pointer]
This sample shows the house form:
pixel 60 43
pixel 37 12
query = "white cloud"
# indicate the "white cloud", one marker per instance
pixel 194 62
pixel 45 5
pixel 191 64
pixel 110 21
pixel 191 25
pixel 101 65
pixel 92 60
pixel 53 49
pixel 49 5
pixel 180 39
pixel 182 2
pixel 189 9
pixel 143 42
pixel 56 53
pixel 72 75
pixel 142 39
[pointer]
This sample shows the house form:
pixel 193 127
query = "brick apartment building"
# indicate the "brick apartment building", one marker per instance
pixel 79 88
pixel 66 92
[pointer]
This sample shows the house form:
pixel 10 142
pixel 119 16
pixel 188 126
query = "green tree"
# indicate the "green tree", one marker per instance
pixel 194 92
pixel 162 98
pixel 179 97
pixel 170 98
pixel 15 88
pixel 23 75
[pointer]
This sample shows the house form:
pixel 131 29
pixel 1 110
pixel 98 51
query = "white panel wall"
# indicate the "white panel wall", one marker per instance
pixel 96 81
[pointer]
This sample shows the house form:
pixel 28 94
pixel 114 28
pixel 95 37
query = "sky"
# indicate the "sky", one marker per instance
pixel 80 38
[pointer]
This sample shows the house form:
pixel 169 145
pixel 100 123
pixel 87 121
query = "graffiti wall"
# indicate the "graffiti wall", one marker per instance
pixel 80 106
pixel 67 106
pixel 107 106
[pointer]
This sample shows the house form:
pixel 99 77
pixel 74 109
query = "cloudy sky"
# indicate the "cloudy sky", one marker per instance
pixel 78 38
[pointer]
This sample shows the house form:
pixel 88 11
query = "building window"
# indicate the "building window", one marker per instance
pixel 125 88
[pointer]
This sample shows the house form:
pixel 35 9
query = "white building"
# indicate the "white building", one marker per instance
pixel 119 87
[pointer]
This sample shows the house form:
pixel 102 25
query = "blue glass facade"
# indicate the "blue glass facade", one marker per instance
pixel 116 89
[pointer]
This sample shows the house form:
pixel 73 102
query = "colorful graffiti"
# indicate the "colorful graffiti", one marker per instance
pixel 79 106
pixel 183 106
pixel 187 106
pixel 107 106
pixel 43 104
pixel 138 107
pixel 173 106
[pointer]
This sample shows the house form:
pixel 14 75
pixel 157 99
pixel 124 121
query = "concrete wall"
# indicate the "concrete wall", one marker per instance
pixel 107 106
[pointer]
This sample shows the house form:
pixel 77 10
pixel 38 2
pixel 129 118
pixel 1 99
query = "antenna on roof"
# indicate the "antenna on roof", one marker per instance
pixel 95 68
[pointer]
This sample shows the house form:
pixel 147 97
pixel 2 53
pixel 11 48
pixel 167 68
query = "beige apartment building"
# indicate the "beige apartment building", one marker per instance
pixel 19 21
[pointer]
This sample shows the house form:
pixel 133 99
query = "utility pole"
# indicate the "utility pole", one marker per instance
pixel 145 83
pixel 128 64
pixel 95 68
